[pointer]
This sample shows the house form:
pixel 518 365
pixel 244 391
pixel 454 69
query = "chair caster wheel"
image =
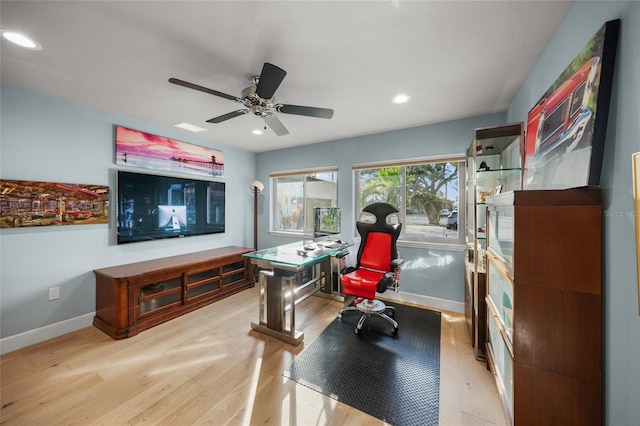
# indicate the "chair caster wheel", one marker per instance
pixel 357 331
pixel 394 331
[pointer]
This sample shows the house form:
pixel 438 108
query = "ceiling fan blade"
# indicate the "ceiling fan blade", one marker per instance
pixel 275 125
pixel 202 89
pixel 227 116
pixel 305 110
pixel 270 79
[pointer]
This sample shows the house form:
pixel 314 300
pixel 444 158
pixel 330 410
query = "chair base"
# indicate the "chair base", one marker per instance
pixel 370 307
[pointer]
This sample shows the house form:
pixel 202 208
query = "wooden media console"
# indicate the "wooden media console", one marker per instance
pixel 136 296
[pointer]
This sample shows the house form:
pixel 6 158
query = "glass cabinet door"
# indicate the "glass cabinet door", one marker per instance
pixel 501 232
pixel 233 272
pixel 502 362
pixel 500 291
pixel 501 296
pixel 203 281
pixel 160 294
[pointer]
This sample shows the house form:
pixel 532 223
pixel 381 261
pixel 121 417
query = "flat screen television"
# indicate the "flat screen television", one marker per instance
pixel 326 222
pixel 152 207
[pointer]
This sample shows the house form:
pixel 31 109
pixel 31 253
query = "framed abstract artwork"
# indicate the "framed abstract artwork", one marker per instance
pixel 29 203
pixel 140 149
pixel 566 128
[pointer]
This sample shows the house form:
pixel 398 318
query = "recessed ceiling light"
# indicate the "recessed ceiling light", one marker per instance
pixel 190 127
pixel 257 132
pixel 21 40
pixel 401 98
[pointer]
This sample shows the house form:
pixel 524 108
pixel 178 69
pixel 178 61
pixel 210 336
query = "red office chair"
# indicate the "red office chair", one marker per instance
pixel 378 265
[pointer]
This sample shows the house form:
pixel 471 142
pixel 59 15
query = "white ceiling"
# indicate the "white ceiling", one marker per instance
pixel 455 59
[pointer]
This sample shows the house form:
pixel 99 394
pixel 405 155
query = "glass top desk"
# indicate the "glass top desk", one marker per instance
pixel 289 274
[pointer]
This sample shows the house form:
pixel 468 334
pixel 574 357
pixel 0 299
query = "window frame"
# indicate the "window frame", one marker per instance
pixel 456 244
pixel 307 231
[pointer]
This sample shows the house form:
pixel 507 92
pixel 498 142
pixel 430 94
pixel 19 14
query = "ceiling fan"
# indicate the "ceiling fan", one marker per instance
pixel 258 99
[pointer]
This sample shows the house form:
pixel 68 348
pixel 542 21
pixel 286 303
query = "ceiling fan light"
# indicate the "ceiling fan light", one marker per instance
pixel 257 132
pixel 401 98
pixel 21 40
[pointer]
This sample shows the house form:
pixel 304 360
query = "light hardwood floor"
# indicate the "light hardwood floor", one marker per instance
pixel 209 367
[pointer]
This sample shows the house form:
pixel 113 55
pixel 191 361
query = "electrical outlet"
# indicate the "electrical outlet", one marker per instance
pixel 54 293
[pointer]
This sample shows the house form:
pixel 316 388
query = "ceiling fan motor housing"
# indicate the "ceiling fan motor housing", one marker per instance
pixel 255 103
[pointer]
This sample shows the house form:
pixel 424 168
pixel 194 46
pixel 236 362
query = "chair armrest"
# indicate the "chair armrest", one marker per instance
pixel 396 263
pixel 341 254
pixel 347 270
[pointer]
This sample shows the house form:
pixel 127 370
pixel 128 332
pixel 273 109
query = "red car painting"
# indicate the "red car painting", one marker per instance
pixel 560 121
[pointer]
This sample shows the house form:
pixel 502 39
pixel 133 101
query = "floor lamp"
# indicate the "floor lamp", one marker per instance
pixel 256 187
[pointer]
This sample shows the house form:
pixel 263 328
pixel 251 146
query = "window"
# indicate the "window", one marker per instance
pixel 296 194
pixel 426 192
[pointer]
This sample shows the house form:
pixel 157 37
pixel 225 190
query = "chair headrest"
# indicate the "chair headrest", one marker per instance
pixel 380 213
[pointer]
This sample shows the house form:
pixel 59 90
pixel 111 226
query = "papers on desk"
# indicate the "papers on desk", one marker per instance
pixel 320 249
pixel 331 245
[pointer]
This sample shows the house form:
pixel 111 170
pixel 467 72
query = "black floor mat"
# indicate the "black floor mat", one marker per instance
pixel 396 379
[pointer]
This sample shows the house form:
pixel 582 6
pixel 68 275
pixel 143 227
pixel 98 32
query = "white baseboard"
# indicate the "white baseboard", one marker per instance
pixel 41 334
pixel 426 301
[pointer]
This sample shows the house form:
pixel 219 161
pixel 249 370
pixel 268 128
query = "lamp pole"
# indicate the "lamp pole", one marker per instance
pixel 255 219
pixel 256 186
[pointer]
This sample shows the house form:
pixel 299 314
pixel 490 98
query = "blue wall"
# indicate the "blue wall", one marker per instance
pixel 620 279
pixel 431 272
pixel 46 139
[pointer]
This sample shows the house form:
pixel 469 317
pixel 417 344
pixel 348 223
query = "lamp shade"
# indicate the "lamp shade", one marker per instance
pixel 257 185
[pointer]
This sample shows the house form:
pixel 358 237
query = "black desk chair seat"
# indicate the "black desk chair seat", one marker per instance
pixel 378 265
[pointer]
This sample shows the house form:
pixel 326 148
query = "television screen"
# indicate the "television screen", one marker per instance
pixel 326 221
pixel 152 207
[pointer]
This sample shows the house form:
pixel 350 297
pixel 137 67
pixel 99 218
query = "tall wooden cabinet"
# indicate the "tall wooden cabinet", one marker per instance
pixel 544 305
pixel 493 161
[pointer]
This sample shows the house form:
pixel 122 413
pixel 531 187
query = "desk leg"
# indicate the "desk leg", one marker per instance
pixel 289 303
pixel 332 288
pixel 276 296
pixel 275 303
pixel 262 296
